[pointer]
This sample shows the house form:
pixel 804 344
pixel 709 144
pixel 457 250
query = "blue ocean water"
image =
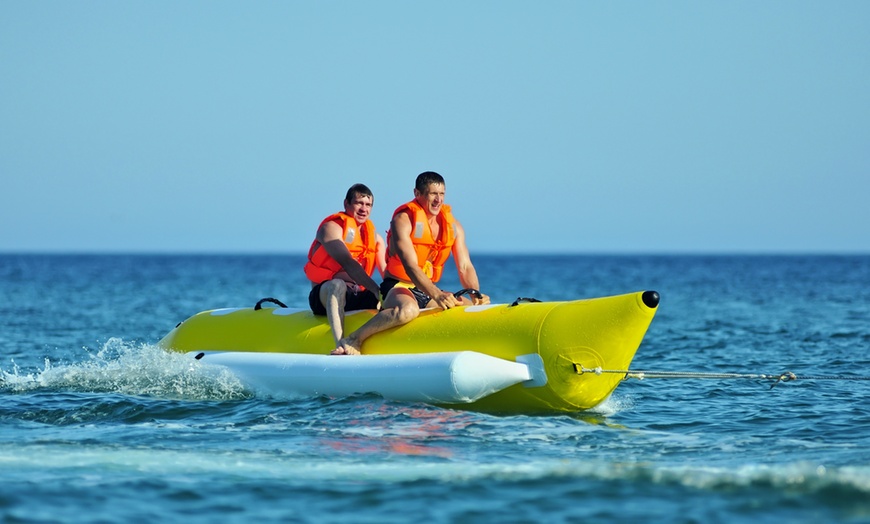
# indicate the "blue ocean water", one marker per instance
pixel 97 425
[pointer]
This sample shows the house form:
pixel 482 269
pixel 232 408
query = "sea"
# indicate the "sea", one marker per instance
pixel 98 425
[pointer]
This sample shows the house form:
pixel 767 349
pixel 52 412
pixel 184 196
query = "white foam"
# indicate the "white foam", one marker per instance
pixel 121 367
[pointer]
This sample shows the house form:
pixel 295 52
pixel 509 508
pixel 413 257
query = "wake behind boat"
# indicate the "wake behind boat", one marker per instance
pixel 514 358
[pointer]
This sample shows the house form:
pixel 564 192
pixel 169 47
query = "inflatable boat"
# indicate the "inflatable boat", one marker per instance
pixel 521 358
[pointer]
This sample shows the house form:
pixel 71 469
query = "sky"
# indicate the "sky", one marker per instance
pixel 559 126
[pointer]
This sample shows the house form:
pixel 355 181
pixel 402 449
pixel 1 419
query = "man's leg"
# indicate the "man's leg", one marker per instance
pixel 399 307
pixel 333 295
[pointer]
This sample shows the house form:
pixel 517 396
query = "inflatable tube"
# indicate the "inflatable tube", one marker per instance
pixel 435 378
pixel 553 339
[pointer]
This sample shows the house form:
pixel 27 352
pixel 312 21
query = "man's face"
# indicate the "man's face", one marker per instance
pixel 431 199
pixel 359 208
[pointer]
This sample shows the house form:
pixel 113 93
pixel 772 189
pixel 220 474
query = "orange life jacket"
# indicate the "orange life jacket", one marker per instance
pixel 363 248
pixel 431 253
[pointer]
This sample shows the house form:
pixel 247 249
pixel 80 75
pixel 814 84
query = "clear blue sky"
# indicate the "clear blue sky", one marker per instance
pixel 560 126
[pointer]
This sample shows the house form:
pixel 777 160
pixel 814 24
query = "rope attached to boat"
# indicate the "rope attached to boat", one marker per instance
pixel 777 378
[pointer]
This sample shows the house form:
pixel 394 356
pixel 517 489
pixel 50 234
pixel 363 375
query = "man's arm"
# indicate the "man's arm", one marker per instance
pixel 381 256
pixel 329 236
pixel 467 273
pixel 404 248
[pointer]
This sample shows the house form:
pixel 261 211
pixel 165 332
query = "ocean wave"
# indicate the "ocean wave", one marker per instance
pixel 403 465
pixel 130 369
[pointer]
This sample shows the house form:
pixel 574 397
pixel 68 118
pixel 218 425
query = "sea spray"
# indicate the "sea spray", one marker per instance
pixel 131 369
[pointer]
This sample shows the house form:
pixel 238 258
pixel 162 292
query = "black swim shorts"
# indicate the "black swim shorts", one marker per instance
pixel 354 300
pixel 422 298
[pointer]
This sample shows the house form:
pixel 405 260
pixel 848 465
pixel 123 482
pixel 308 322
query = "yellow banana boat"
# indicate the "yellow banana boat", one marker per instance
pixel 524 357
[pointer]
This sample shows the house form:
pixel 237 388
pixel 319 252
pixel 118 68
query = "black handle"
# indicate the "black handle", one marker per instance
pixel 468 291
pixel 259 305
pixel 523 299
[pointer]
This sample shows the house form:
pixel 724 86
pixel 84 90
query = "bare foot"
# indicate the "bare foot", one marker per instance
pixel 346 347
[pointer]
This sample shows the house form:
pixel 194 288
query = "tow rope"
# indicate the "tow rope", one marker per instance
pixel 787 376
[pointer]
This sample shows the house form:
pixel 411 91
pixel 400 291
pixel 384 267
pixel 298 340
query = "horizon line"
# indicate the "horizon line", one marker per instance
pixel 734 252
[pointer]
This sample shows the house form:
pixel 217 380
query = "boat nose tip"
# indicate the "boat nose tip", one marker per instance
pixel 651 299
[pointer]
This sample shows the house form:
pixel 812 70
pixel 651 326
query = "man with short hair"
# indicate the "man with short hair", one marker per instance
pixel 342 259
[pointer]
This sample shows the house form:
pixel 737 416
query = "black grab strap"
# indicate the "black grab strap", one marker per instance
pixel 468 291
pixel 523 299
pixel 259 305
